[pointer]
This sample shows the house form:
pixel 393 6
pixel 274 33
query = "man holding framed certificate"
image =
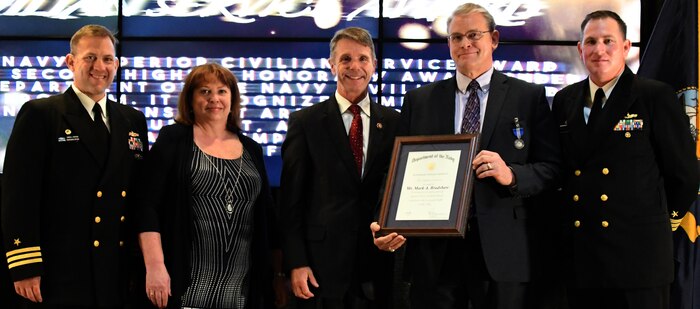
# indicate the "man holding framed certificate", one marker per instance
pixel 518 158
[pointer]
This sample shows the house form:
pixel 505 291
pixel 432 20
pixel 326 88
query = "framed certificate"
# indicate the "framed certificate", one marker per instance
pixel 428 189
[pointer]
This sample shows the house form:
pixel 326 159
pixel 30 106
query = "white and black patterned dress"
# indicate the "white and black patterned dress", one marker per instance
pixel 221 238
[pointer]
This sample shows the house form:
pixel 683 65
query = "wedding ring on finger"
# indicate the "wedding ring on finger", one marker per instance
pixel 488 166
pixel 391 249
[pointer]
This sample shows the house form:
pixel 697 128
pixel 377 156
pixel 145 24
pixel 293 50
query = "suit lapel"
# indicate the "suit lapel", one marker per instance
pixel 444 103
pixel 496 100
pixel 338 137
pixel 575 120
pixel 79 120
pixel 615 108
pixel 118 138
pixel 376 135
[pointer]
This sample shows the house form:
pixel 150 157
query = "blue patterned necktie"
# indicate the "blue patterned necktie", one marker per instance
pixel 472 111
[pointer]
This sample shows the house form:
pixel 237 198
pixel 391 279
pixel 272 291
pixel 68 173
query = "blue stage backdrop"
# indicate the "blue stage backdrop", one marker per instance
pixel 278 50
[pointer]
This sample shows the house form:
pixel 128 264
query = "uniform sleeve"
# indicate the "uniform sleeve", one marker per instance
pixel 24 167
pixel 675 152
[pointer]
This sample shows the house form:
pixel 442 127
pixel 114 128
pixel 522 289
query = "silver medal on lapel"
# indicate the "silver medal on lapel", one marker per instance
pixel 518 132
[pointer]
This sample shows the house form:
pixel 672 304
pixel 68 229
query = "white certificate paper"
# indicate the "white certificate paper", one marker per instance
pixel 428 185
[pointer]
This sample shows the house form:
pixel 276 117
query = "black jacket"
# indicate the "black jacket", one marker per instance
pixel 65 217
pixel 622 183
pixel 165 207
pixel 505 224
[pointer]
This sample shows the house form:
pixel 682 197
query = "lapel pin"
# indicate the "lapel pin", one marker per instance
pixel 68 131
pixel 379 125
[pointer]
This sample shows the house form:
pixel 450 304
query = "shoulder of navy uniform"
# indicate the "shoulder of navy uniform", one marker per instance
pixel 129 111
pixel 651 86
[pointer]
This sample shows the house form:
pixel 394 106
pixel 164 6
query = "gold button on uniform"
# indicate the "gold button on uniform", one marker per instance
pixel 577 172
pixel 99 193
pixel 97 219
pixel 121 243
pixel 96 243
pixel 122 219
pixel 577 223
pixel 575 198
pixel 606 171
pixel 628 134
pixel 605 223
pixel 603 197
pixel 123 193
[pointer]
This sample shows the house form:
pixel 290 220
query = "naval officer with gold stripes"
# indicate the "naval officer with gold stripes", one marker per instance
pixel 69 166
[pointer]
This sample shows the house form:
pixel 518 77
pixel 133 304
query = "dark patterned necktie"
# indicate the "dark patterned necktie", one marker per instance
pixel 597 107
pixel 101 132
pixel 355 135
pixel 472 111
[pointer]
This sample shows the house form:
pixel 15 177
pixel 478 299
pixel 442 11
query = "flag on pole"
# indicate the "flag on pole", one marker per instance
pixel 671 56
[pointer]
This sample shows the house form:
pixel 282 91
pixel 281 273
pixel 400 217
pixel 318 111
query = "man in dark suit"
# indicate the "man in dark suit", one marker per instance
pixel 335 157
pixel 629 164
pixel 70 164
pixel 518 159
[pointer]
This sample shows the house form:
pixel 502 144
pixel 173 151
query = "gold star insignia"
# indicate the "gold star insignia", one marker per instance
pixel 674 214
pixel 17 242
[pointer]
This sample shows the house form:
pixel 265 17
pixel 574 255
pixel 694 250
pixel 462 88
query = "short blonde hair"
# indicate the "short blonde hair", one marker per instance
pixel 468 8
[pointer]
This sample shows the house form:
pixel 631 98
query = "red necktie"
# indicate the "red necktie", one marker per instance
pixel 356 136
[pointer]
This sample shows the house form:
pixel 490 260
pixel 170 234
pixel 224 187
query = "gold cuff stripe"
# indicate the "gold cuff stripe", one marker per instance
pixel 23 256
pixel 24 262
pixel 23 250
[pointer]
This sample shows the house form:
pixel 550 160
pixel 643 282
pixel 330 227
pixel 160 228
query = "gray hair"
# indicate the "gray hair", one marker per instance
pixel 469 8
pixel 356 34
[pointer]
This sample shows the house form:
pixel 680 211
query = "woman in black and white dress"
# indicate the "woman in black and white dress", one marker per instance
pixel 202 217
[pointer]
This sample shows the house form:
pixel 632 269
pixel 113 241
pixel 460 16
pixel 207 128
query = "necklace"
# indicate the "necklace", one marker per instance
pixel 229 193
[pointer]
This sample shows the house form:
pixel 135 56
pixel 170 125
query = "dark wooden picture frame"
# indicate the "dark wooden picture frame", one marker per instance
pixel 432 146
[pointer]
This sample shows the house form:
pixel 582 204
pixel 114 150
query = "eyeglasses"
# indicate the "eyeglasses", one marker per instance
pixel 471 36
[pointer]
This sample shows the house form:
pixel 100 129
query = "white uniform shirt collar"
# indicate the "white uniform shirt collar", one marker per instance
pixel 88 104
pixel 607 88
